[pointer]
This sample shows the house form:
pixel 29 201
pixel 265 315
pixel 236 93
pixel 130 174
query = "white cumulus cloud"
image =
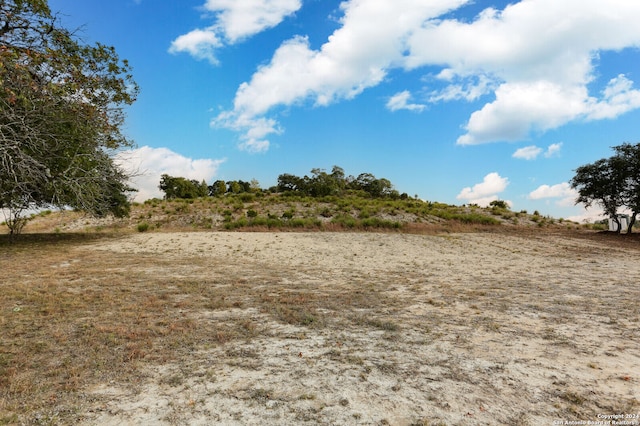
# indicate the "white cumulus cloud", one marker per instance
pixel 617 98
pixel 553 150
pixel 528 153
pixel 238 19
pixel 148 164
pixel 532 152
pixel 400 101
pixel 235 20
pixel 562 191
pixel 540 55
pixel 537 57
pixel 486 191
pixel 201 44
pixel 466 89
pixel 356 56
pixel 522 107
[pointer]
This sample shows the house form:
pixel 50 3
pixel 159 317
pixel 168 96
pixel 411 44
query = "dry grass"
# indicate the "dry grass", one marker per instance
pixel 72 318
pixel 79 320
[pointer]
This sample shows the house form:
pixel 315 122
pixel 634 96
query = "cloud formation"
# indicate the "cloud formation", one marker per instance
pixel 486 191
pixel 536 57
pixel 532 152
pixel 356 56
pixel 563 193
pixel 201 44
pixel 234 21
pixel 528 153
pixel 400 101
pixel 553 150
pixel 148 164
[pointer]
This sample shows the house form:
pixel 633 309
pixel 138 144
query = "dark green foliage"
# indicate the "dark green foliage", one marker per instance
pixel 629 156
pixel 499 204
pixel 61 112
pixel 179 187
pixel 238 186
pixel 612 183
pixel 323 184
pixel 374 222
pixel 331 200
pixel 376 188
pixel 290 183
pixel 218 188
pixel 247 197
pixel 288 214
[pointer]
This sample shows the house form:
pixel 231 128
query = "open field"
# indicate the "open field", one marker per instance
pixel 503 327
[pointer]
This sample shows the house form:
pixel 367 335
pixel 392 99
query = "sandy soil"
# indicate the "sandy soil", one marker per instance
pixel 458 329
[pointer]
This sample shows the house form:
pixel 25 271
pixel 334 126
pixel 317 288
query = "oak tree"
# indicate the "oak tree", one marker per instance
pixel 612 183
pixel 61 115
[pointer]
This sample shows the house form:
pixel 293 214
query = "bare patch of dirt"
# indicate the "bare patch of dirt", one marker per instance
pixel 321 328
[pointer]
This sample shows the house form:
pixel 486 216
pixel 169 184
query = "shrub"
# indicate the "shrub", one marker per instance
pixel 499 204
pixel 374 222
pixel 474 218
pixel 344 220
pixel 247 197
pixel 273 222
pixel 297 223
pixel 326 212
pixel 365 213
pixel 252 213
pixel 288 214
pixel 259 221
pixel 240 223
pixel 143 227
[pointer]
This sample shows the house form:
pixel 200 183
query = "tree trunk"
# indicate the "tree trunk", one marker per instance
pixel 632 221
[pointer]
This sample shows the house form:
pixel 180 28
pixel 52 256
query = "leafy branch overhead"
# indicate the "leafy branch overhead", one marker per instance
pixel 61 112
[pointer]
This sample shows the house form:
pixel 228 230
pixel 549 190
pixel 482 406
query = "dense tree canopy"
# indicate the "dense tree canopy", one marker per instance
pixel 179 187
pixel 612 183
pixel 61 112
pixel 322 184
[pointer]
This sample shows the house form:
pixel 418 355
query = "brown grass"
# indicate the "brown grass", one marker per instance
pixel 73 318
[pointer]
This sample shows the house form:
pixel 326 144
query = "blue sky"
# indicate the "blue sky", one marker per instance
pixel 456 101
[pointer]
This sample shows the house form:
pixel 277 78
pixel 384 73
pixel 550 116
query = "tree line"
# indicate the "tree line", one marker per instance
pixel 613 183
pixel 62 106
pixel 319 184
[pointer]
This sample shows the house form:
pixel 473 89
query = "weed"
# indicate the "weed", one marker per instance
pixel 573 397
pixel 288 214
pixel 260 394
pixel 307 397
pixel 326 212
pixel 383 325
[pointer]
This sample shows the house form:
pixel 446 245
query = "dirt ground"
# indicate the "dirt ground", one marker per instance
pixel 475 329
pixel 382 329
